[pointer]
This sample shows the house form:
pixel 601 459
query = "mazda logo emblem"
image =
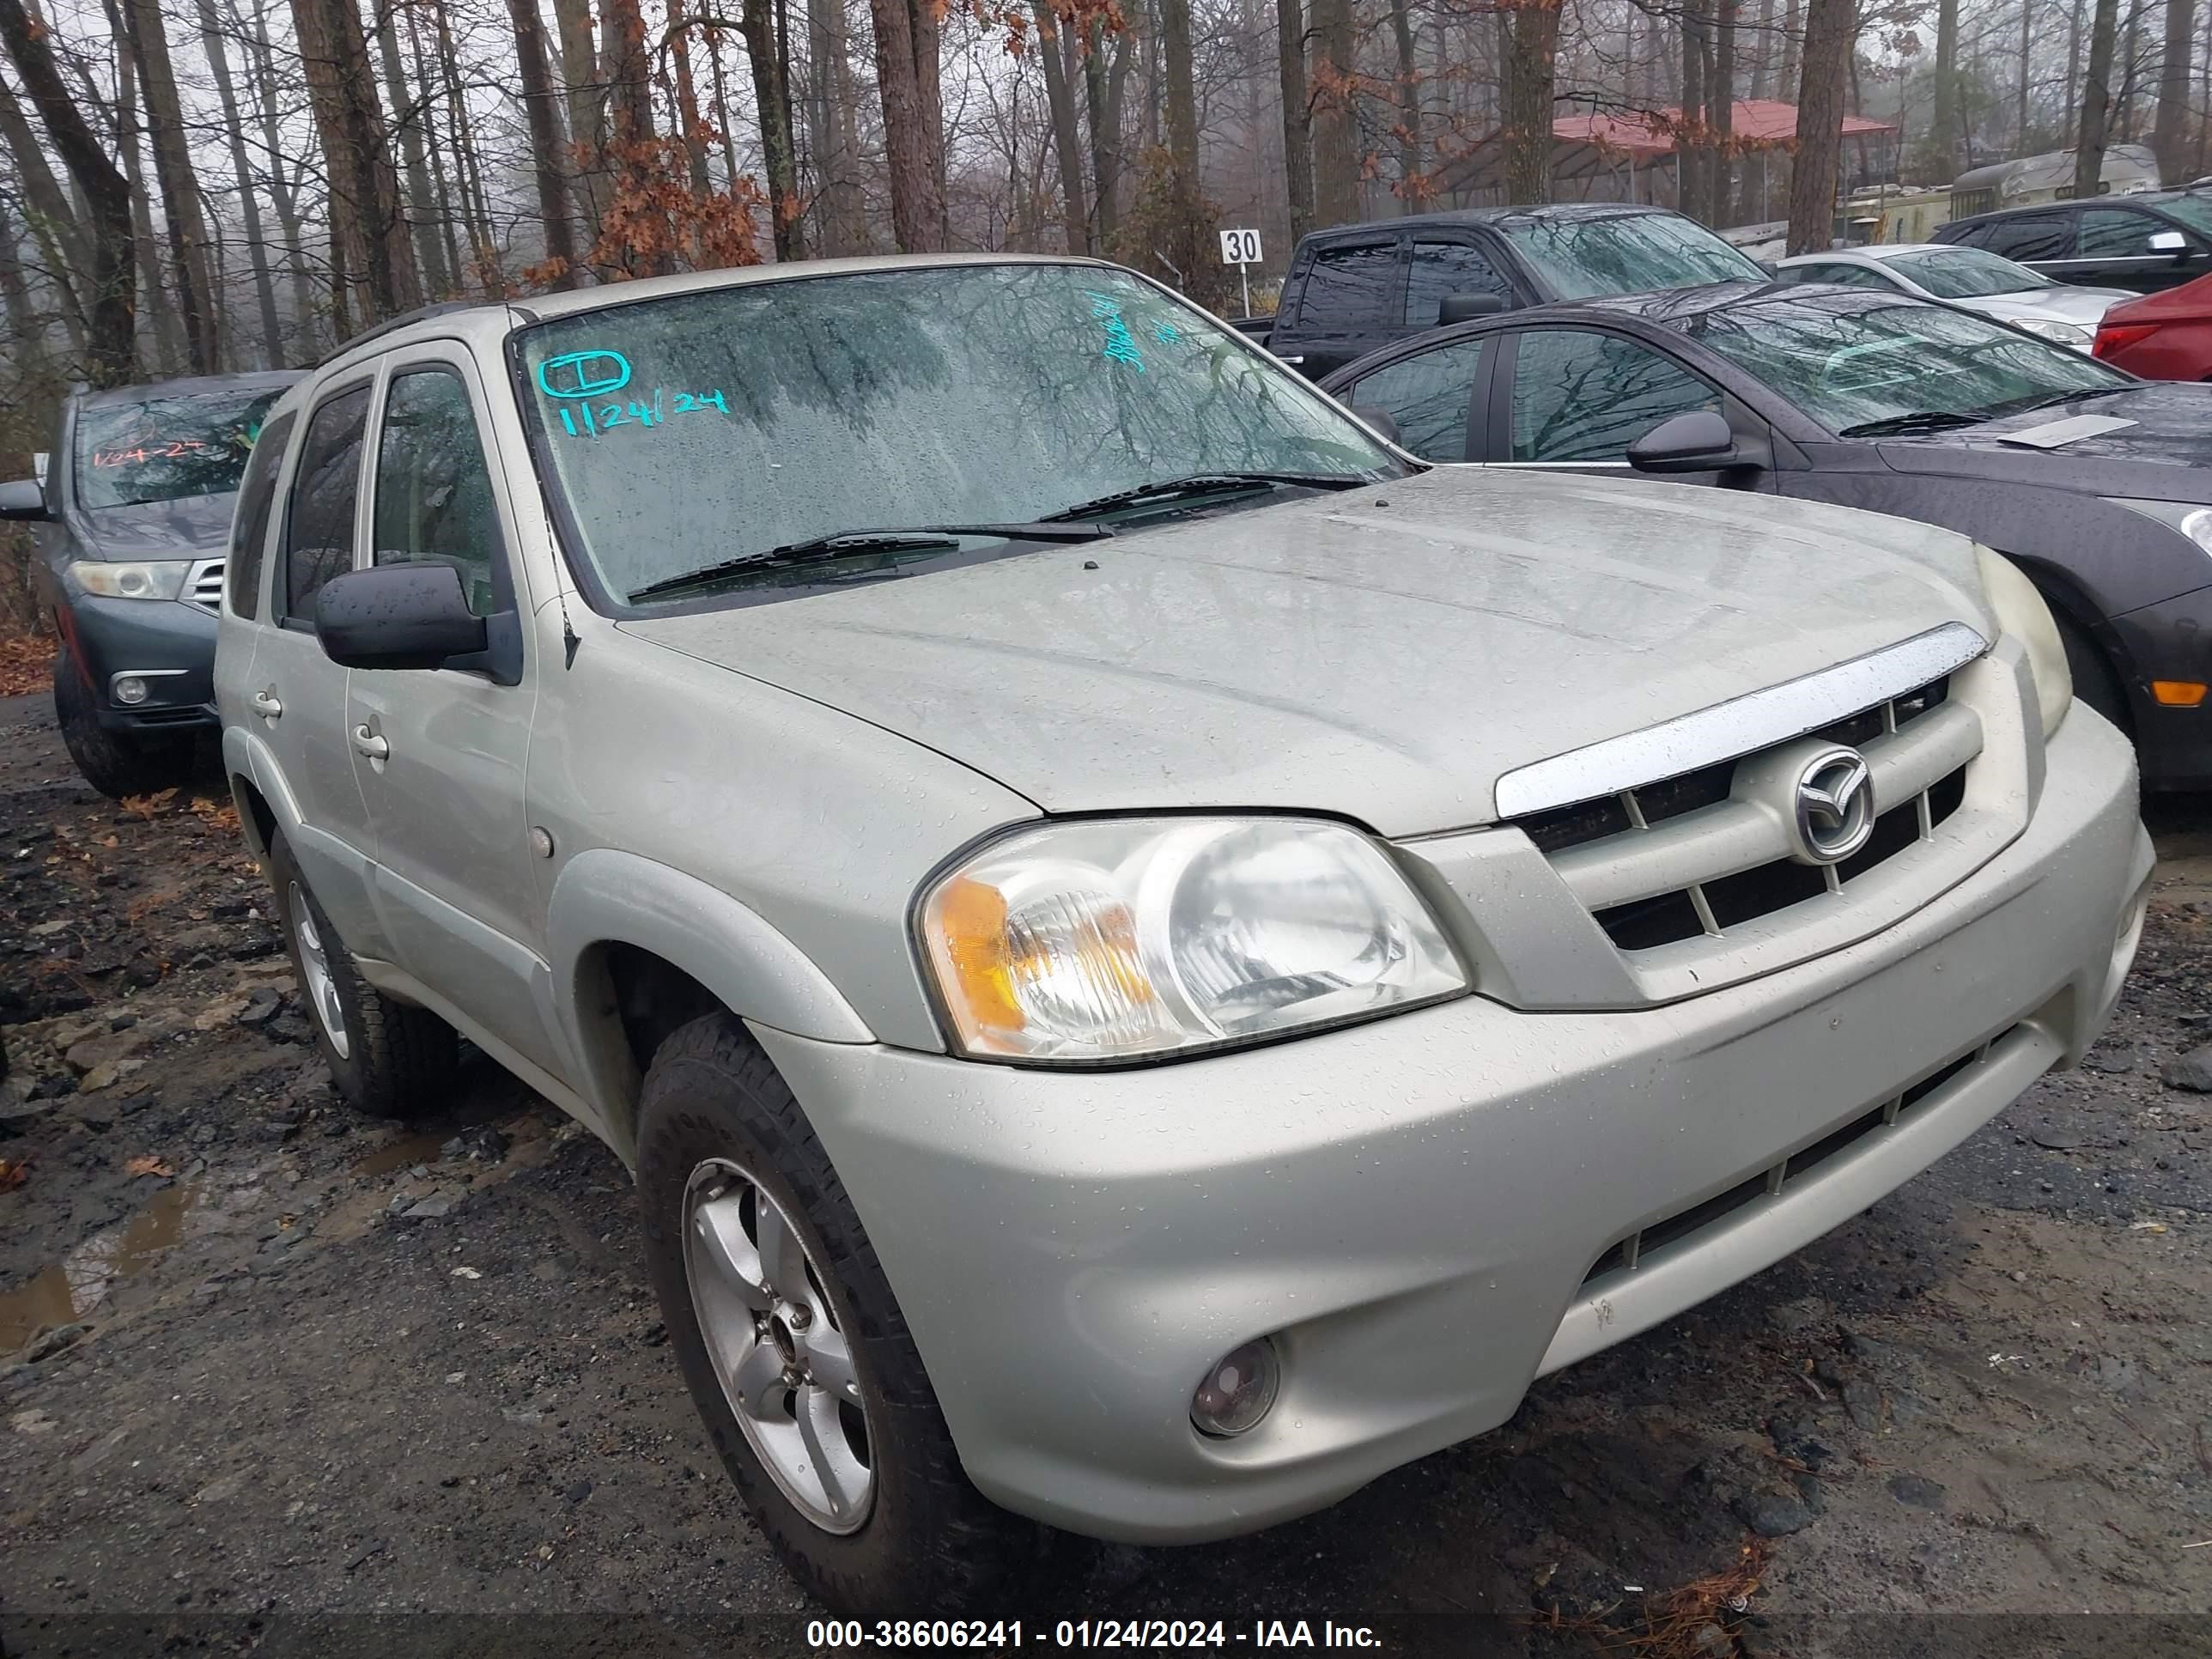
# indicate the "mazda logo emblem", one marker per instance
pixel 1834 806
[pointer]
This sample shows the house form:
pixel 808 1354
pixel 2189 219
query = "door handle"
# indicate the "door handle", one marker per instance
pixel 369 744
pixel 266 704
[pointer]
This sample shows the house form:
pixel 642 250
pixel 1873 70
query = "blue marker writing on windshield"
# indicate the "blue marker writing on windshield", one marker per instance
pixel 583 374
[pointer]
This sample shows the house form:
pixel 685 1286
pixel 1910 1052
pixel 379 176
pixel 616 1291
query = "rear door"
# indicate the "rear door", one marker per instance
pixel 443 751
pixel 1352 300
pixel 1429 396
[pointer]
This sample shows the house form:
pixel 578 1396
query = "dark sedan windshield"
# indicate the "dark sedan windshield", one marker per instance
pixel 709 427
pixel 1966 273
pixel 162 449
pixel 1850 358
pixel 1625 254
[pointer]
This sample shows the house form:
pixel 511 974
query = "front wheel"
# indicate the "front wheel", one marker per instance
pixel 793 1347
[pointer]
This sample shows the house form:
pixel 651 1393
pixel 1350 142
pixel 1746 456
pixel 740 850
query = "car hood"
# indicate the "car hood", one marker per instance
pixel 2158 457
pixel 191 527
pixel 1385 654
pixel 2082 306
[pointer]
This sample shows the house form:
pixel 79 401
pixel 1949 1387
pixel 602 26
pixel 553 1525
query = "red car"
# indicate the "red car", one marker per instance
pixel 2162 336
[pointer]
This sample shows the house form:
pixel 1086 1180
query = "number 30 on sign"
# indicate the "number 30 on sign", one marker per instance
pixel 1240 247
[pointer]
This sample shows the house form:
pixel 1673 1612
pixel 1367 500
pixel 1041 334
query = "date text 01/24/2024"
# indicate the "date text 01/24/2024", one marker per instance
pixel 830 1635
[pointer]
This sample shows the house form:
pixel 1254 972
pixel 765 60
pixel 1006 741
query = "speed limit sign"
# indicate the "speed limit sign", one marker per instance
pixel 1240 247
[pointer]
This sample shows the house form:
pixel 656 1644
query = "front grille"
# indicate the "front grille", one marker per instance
pixel 1626 854
pixel 205 589
pixel 1642 1247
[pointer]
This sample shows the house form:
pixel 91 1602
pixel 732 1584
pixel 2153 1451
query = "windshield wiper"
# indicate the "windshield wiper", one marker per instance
pixel 1205 483
pixel 1924 420
pixel 844 544
pixel 2056 398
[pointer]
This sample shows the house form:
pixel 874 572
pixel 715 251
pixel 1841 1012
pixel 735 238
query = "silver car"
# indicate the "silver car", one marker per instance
pixel 1971 278
pixel 1153 959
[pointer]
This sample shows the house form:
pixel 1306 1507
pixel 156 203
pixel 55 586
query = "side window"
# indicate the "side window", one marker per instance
pixel 2028 236
pixel 2116 234
pixel 249 527
pixel 433 500
pixel 1427 395
pixel 1584 397
pixel 1442 269
pixel 1350 286
pixel 319 527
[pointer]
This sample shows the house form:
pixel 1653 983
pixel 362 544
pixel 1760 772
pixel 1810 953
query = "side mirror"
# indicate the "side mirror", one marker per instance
pixel 1466 307
pixel 1380 420
pixel 1699 441
pixel 24 499
pixel 2168 241
pixel 396 616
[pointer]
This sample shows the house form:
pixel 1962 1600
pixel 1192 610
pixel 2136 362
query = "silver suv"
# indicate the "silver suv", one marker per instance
pixel 1152 958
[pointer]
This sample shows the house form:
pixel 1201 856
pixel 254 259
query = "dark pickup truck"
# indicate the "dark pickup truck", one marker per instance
pixel 1359 288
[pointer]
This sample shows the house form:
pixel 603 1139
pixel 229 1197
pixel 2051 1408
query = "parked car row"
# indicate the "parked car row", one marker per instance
pixel 965 772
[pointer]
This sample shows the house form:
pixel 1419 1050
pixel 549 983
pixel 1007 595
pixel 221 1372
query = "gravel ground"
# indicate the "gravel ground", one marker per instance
pixel 272 1376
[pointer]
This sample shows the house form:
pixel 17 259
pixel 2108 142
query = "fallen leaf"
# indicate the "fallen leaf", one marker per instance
pixel 147 1164
pixel 14 1172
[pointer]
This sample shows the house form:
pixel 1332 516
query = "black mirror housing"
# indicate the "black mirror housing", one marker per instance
pixel 396 616
pixel 23 500
pixel 1381 419
pixel 1466 307
pixel 1697 441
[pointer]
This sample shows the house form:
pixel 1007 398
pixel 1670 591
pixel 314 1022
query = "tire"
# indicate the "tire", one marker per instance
pixel 387 1059
pixel 116 765
pixel 713 1110
pixel 2094 682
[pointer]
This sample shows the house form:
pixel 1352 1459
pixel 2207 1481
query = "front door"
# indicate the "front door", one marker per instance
pixel 443 751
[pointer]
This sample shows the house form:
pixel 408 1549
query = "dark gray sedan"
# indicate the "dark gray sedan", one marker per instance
pixel 133 525
pixel 2099 485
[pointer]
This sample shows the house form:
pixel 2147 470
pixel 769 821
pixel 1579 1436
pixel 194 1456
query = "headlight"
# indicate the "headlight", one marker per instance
pixel 157 579
pixel 2022 614
pixel 1120 938
pixel 2187 516
pixel 2065 334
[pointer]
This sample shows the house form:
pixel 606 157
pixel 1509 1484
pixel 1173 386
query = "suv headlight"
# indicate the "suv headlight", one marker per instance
pixel 156 578
pixel 1115 939
pixel 2022 613
pixel 2065 334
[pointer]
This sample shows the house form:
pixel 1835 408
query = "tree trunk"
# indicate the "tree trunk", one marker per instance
pixel 1829 26
pixel 381 277
pixel 111 337
pixel 913 137
pixel 1943 124
pixel 1412 183
pixel 261 74
pixel 180 188
pixel 1104 67
pixel 689 127
pixel 54 228
pixel 1182 87
pixel 1763 58
pixel 249 197
pixel 2170 128
pixel 1720 113
pixel 468 160
pixel 771 101
pixel 407 116
pixel 1791 77
pixel 535 74
pixel 1530 68
pixel 449 219
pixel 834 129
pixel 2026 48
pixel 159 318
pixel 1298 149
pixel 1335 115
pixel 587 115
pixel 1690 152
pixel 2096 102
pixel 1055 41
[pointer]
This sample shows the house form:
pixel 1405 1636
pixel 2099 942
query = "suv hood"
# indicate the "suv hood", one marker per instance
pixel 1384 655
pixel 190 527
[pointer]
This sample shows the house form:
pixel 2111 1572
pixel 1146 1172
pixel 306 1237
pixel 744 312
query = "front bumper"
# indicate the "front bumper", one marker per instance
pixel 1414 1208
pixel 169 644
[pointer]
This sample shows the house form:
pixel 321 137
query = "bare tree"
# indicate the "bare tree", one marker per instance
pixel 2096 102
pixel 369 230
pixel 249 196
pixel 1532 42
pixel 1297 146
pixel 544 116
pixel 914 130
pixel 2169 127
pixel 407 116
pixel 1829 26
pixel 1334 120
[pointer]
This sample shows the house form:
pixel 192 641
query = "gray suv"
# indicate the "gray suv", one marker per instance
pixel 1152 958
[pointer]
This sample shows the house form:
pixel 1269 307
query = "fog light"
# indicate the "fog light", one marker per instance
pixel 129 690
pixel 1237 1392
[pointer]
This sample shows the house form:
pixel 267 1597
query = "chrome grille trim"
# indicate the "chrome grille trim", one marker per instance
pixel 1741 726
pixel 203 586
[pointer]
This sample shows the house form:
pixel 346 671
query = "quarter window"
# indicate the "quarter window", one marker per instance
pixel 1427 395
pixel 318 529
pixel 1441 270
pixel 1583 396
pixel 249 529
pixel 434 497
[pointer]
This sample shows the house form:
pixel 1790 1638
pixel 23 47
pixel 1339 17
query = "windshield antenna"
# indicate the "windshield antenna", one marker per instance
pixel 568 630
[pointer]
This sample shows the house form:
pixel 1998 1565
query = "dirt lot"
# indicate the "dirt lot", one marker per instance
pixel 272 1376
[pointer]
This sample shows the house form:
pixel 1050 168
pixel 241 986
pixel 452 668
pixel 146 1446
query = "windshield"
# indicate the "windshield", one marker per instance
pixel 1627 253
pixel 705 427
pixel 164 448
pixel 1966 273
pixel 1849 357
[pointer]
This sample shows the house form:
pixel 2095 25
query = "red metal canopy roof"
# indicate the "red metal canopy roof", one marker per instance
pixel 1757 121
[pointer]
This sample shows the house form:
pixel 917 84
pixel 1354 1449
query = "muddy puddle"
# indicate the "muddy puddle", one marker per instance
pixel 80 1284
pixel 424 1147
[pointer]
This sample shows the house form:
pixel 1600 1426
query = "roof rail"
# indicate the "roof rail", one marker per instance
pixel 421 313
